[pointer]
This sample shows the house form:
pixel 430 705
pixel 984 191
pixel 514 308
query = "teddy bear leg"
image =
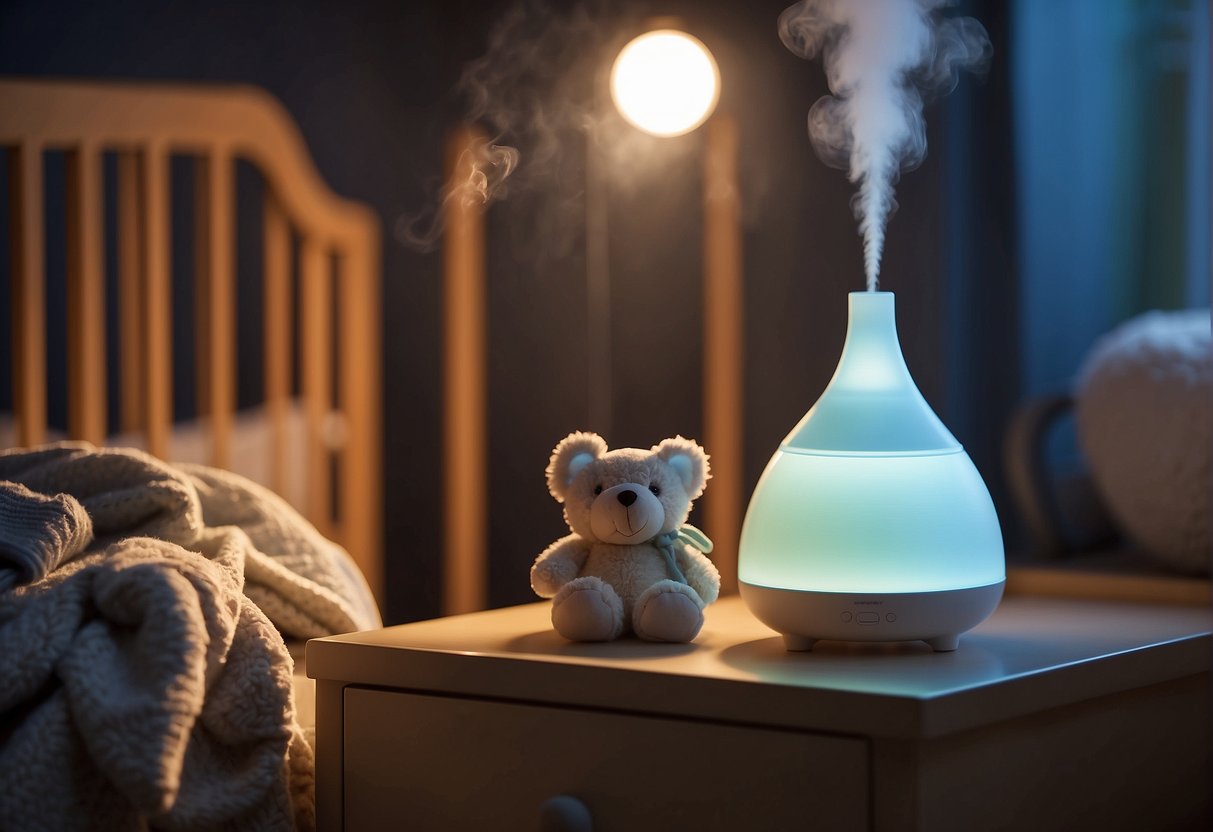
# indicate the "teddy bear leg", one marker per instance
pixel 587 609
pixel 668 611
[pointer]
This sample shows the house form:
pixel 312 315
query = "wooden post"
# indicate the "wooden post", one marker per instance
pixel 131 306
pixel 216 294
pixel 158 310
pixel 28 293
pixel 85 297
pixel 465 434
pixel 316 376
pixel 723 346
pixel 599 369
pixel 278 318
pixel 361 379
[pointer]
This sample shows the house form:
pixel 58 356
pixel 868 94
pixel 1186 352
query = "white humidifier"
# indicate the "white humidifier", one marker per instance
pixel 870 522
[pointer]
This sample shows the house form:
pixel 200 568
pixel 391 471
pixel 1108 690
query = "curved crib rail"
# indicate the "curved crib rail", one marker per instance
pixel 216 125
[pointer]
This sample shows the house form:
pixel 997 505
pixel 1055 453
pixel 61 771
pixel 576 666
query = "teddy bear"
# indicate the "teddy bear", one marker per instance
pixel 631 564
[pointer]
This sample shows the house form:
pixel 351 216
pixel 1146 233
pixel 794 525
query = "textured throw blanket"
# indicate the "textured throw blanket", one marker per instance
pixel 140 685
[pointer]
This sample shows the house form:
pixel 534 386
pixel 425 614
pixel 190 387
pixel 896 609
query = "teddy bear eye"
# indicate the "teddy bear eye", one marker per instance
pixel 656 491
pixel 597 490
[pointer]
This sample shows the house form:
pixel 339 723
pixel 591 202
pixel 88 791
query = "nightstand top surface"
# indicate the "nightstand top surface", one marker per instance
pixel 1033 653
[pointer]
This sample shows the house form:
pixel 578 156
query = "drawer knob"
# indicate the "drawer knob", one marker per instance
pixel 564 813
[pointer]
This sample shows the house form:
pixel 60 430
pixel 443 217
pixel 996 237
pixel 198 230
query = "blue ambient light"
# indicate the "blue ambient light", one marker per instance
pixel 832 523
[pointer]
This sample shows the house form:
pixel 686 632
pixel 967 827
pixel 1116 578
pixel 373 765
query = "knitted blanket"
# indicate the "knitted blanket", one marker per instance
pixel 139 682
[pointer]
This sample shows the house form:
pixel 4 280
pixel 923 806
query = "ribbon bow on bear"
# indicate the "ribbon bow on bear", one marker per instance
pixel 689 535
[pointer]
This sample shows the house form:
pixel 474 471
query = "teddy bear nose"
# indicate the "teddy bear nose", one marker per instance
pixel 626 497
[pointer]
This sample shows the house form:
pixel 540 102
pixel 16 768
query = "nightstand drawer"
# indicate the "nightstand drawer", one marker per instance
pixel 415 761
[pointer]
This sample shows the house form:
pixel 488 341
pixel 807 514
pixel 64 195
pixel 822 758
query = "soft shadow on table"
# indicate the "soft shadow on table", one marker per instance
pixel 839 661
pixel 550 643
pixel 764 650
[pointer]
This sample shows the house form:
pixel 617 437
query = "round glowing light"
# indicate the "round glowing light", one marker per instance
pixel 665 82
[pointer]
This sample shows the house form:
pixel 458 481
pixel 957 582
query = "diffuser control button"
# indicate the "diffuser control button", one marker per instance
pixel 891 617
pixel 846 617
pixel 869 617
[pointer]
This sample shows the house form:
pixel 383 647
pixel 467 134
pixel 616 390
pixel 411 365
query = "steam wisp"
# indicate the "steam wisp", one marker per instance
pixel 884 59
pixel 528 93
pixel 488 166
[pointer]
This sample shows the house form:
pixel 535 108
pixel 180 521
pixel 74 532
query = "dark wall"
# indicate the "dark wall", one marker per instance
pixel 371 86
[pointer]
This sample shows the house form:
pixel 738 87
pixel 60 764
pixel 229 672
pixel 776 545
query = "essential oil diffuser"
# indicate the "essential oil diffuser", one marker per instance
pixel 870 522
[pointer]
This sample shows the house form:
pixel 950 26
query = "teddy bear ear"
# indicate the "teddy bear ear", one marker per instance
pixel 688 460
pixel 574 452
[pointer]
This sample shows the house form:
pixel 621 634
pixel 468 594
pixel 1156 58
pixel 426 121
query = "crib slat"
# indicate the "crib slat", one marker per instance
pixel 28 293
pixel 157 356
pixel 360 381
pixel 316 346
pixel 277 252
pixel 85 297
pixel 130 293
pixel 214 212
pixel 202 287
pixel 465 442
pixel 722 351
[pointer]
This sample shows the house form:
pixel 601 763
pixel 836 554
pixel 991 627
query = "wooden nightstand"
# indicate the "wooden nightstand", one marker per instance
pixel 1054 714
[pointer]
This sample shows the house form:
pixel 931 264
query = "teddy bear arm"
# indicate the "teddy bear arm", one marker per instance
pixel 558 564
pixel 701 574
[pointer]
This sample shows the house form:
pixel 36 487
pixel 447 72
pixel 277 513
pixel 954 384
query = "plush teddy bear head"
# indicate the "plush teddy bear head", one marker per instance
pixel 627 495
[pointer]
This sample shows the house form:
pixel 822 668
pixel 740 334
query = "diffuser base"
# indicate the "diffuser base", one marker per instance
pixel 804 617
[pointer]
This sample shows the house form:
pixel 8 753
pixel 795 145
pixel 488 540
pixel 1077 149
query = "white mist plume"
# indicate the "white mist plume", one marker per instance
pixel 883 59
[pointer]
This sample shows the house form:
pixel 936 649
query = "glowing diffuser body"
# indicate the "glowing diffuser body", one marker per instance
pixel 870 522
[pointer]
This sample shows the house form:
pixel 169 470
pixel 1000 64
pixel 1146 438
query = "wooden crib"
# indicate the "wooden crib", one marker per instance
pixel 322 246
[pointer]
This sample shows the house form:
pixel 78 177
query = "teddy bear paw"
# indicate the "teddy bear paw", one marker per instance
pixel 668 611
pixel 549 575
pixel 587 609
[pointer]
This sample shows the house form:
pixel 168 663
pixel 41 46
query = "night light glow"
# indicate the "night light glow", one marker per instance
pixel 665 82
